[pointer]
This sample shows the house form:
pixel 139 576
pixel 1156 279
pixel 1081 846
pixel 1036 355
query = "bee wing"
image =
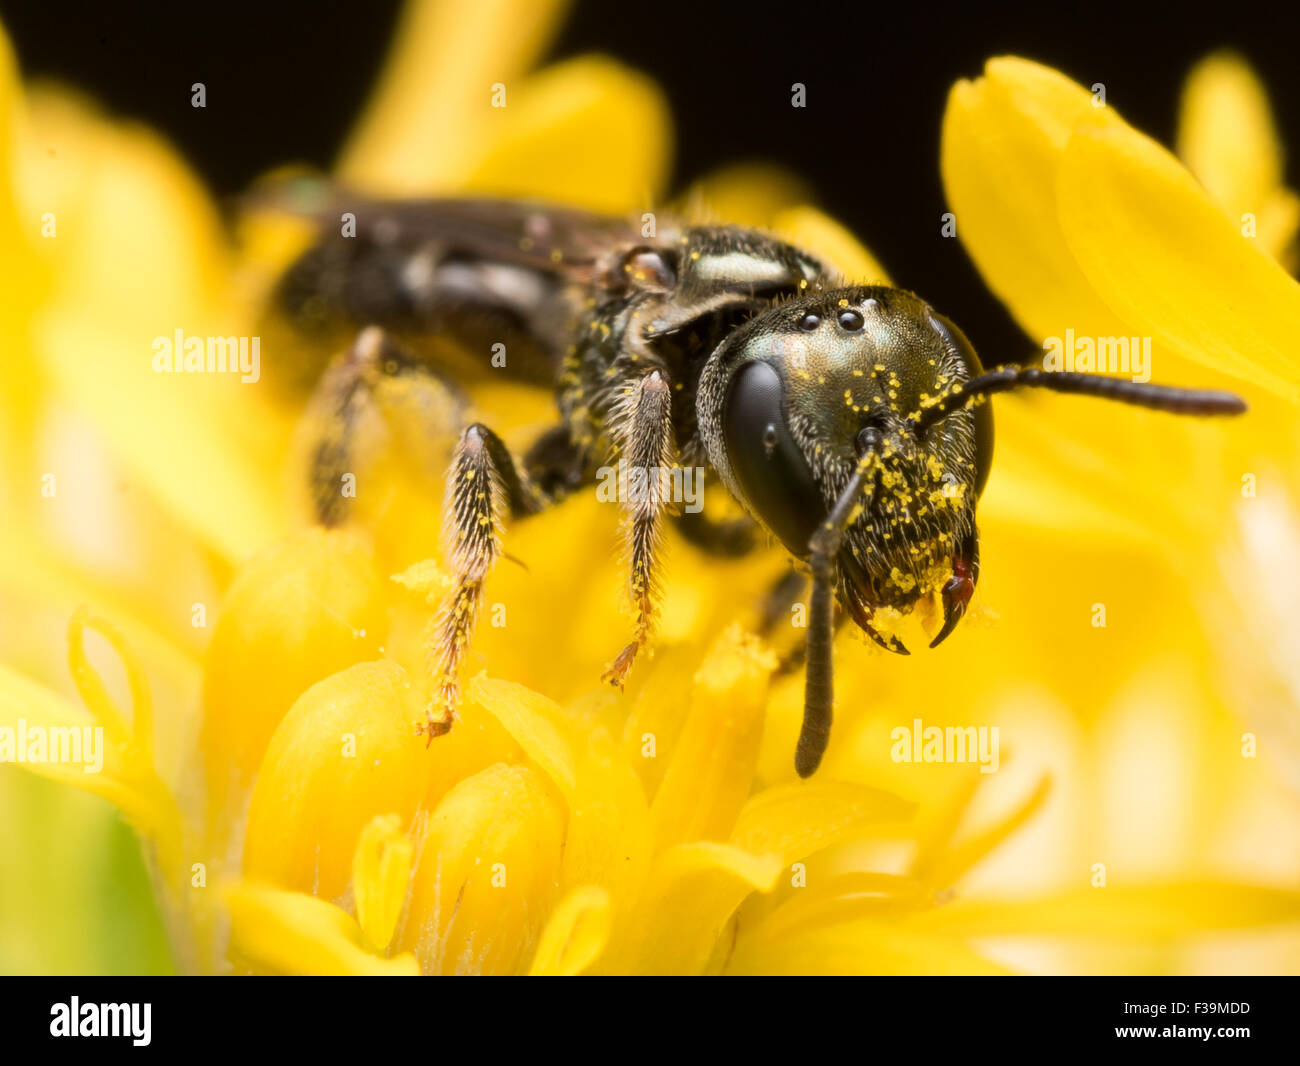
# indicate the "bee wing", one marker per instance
pixel 475 271
pixel 562 241
pixel 559 240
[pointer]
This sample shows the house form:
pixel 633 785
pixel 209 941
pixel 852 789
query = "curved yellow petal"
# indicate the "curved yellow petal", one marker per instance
pixel 380 871
pixel 712 764
pixel 1124 912
pixel 299 611
pixel 943 868
pixel 42 732
pixel 486 874
pixel 1163 256
pixel 743 194
pixel 139 255
pixel 426 120
pixel 33 720
pixel 587 131
pixel 813 230
pixel 692 892
pixel 861 947
pixel 536 724
pixel 840 898
pixel 345 752
pixel 1002 142
pixel 609 841
pixel 1228 138
pixel 576 934
pixel 791 821
pixel 293 933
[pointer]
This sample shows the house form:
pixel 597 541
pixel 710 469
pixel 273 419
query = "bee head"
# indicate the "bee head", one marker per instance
pixel 793 400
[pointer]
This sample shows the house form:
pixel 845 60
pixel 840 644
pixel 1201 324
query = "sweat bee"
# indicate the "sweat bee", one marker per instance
pixel 848 421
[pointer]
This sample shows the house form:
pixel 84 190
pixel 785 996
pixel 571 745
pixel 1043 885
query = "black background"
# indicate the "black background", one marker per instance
pixel 286 78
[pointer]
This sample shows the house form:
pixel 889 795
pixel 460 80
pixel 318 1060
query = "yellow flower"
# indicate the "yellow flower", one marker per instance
pixel 299 826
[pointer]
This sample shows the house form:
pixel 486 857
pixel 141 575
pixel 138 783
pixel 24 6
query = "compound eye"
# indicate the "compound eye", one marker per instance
pixel 810 321
pixel 769 467
pixel 957 342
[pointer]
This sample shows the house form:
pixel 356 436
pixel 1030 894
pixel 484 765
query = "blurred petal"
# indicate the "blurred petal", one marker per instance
pixel 429 115
pixel 587 131
pixel 861 947
pixel 24 701
pixel 743 194
pixel 1123 912
pixel 792 821
pixel 1228 138
pixel 807 227
pixel 576 934
pixel 299 611
pixel 840 898
pixel 292 933
pixel 100 753
pixel 951 863
pixel 139 254
pixel 23 275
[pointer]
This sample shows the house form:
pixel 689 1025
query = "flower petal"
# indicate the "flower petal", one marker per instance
pixel 809 228
pixel 712 765
pixel 945 867
pixel 345 753
pixel 486 875
pixel 1149 911
pixel 743 194
pixel 140 255
pixel 297 612
pixel 587 131
pixel 1171 266
pixel 293 933
pixel 380 871
pixel 576 934
pixel 609 841
pixel 692 891
pixel 1002 142
pixel 426 118
pixel 1228 138
pixel 536 724
pixel 861 947
pixel 792 821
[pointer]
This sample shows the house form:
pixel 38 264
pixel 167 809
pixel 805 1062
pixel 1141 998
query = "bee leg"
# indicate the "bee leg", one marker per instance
pixel 781 595
pixel 343 400
pixel 643 432
pixel 483 485
pixel 728 539
pixel 347 412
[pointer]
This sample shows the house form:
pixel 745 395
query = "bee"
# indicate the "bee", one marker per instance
pixel 849 421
